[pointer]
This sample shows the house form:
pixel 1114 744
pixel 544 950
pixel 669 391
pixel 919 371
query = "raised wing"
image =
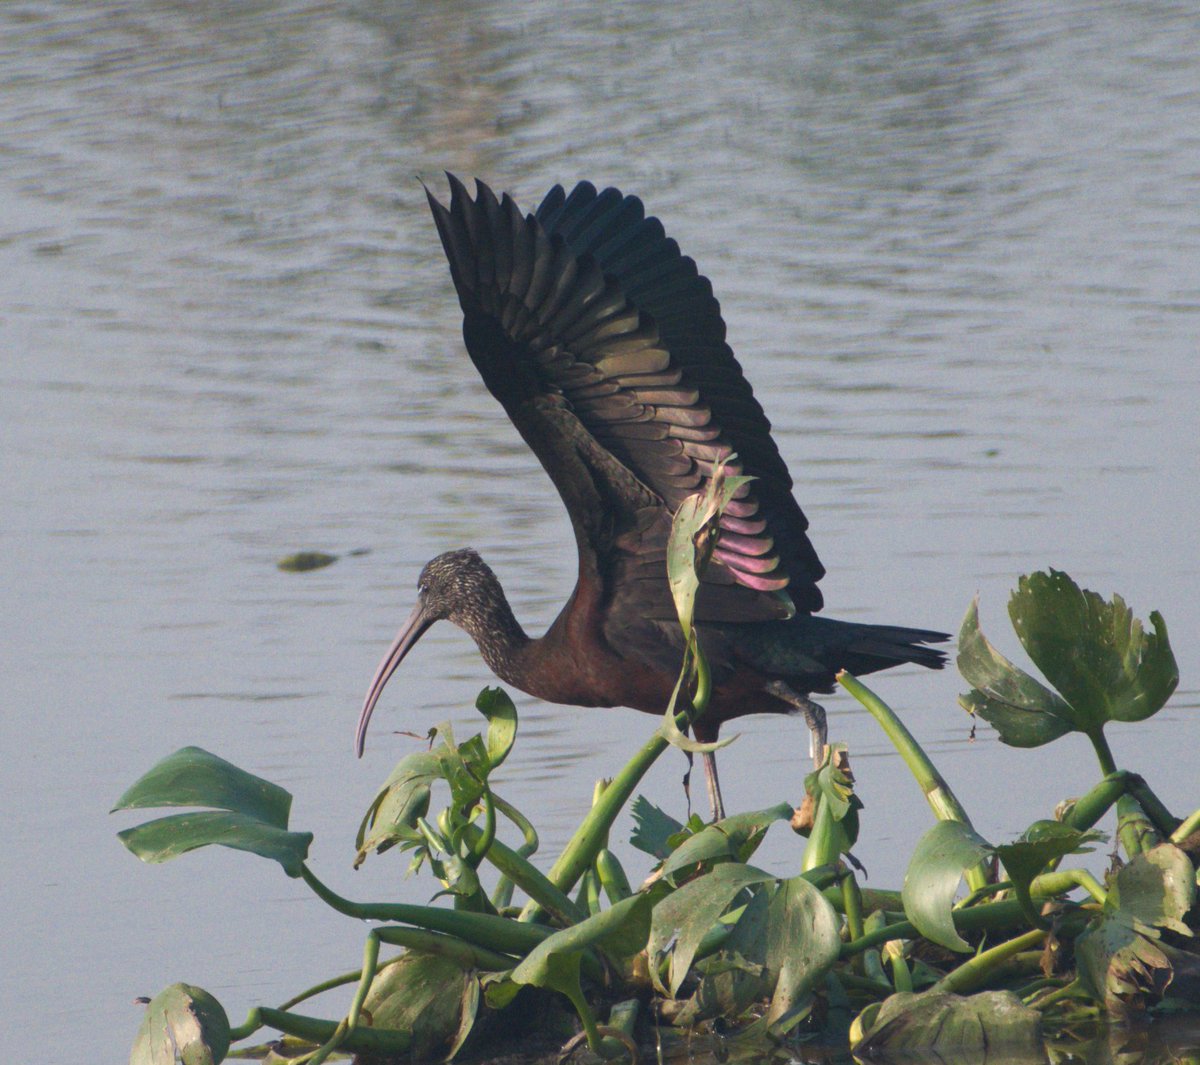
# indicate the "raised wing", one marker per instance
pixel 588 306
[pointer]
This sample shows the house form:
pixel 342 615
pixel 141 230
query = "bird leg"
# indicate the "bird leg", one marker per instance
pixel 714 786
pixel 715 802
pixel 813 713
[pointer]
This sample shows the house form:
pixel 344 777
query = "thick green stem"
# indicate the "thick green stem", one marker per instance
pixel 1103 751
pixel 1160 817
pixel 502 896
pixel 1087 810
pixel 486 930
pixel 464 954
pixel 852 900
pixel 481 843
pixel 1061 881
pixel 1071 990
pixel 581 851
pixel 1187 827
pixel 1135 801
pixel 1134 829
pixel 975 971
pixel 580 1002
pixel 938 794
pixel 992 917
pixel 369 968
pixel 319 1030
pixel 901 973
pixel 528 878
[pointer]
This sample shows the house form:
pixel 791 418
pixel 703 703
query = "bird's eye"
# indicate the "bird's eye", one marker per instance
pixel 422 589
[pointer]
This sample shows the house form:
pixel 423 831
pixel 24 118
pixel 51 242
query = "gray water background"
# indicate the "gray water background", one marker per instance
pixel 958 248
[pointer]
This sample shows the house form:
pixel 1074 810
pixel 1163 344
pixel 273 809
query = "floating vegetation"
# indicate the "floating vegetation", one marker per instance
pixel 303 561
pixel 1036 947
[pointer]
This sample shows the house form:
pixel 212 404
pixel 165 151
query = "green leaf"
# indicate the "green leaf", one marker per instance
pixel 736 977
pixel 680 921
pixel 733 839
pixel 1094 652
pixel 184 1024
pixel 405 796
pixel 554 963
pixel 168 837
pixel 933 875
pixel 832 782
pixel 652 828
pixel 1121 962
pixel 1023 711
pixel 466 769
pixel 834 828
pixel 429 996
pixel 694 532
pixel 1158 887
pixel 501 715
pixel 194 777
pixel 1041 843
pixel 803 942
pixel 933 1023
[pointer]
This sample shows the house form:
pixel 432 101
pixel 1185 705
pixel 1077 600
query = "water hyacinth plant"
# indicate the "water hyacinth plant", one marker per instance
pixel 708 939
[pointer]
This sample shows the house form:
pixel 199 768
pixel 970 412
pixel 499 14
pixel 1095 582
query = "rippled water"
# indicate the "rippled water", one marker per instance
pixel 958 250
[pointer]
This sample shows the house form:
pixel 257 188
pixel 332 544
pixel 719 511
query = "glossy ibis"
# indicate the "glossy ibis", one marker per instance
pixel 607 350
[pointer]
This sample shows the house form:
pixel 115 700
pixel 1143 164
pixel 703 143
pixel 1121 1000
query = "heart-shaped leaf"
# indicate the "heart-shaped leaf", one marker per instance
pixel 1023 711
pixel 1158 887
pixel 1121 961
pixel 736 977
pixel 1094 652
pixel 1041 843
pixel 680 921
pixel 934 1025
pixel 554 963
pixel 501 714
pixel 182 1024
pixel 427 995
pixel 937 865
pixel 803 942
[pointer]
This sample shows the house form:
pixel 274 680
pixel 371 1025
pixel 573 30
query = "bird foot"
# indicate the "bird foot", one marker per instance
pixel 814 714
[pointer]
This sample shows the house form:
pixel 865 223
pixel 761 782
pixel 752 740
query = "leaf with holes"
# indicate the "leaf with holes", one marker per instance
pixel 934 1025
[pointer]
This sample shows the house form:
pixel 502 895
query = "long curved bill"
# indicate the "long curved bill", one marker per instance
pixel 410 632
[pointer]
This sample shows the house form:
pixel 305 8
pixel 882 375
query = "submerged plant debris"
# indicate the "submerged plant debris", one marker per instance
pixel 708 941
pixel 303 561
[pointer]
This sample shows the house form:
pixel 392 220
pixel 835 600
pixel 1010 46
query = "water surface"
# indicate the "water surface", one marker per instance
pixel 957 248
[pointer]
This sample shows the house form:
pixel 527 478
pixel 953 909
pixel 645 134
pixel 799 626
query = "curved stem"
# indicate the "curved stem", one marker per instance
pixel 318 1030
pixel 486 930
pixel 481 844
pixel 531 880
pixel 938 794
pixel 1187 826
pixel 976 970
pixel 1104 753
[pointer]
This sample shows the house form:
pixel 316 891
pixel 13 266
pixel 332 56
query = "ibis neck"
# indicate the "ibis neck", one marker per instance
pixel 502 642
